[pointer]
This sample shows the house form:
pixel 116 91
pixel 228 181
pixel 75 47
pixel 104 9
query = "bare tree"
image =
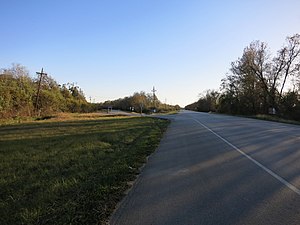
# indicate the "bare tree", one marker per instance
pixel 290 58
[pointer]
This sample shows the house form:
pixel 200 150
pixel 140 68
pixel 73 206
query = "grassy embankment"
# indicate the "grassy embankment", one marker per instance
pixel 71 172
pixel 275 119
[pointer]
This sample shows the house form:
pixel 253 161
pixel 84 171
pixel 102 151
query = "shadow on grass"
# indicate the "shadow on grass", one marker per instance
pixel 71 172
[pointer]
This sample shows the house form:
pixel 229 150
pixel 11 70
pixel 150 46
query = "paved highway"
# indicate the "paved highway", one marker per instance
pixel 216 169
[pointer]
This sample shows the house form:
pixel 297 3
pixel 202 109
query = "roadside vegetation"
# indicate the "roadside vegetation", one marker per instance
pixel 274 118
pixel 71 171
pixel 259 83
pixel 140 102
pixel 23 96
pixel 64 160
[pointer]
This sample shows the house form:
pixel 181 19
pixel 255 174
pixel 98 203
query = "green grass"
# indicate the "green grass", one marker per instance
pixel 274 119
pixel 71 172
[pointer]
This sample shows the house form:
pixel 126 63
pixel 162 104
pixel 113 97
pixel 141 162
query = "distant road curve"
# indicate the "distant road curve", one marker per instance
pixel 216 169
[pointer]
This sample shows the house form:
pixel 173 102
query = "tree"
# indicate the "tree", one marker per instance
pixel 206 103
pixel 291 105
pixel 139 101
pixel 256 80
pixel 16 91
pixel 289 58
pixel 18 94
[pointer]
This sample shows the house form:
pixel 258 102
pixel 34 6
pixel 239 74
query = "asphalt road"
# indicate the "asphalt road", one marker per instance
pixel 215 169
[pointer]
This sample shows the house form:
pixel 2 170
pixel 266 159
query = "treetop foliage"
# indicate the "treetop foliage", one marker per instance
pixel 140 102
pixel 259 83
pixel 22 96
pixel 18 95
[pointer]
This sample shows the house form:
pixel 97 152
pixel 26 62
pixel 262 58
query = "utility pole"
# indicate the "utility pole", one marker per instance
pixel 165 103
pixel 40 74
pixel 153 91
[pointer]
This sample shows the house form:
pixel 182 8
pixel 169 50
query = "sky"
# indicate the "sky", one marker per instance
pixel 113 48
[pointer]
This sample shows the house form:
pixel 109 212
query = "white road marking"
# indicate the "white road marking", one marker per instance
pixel 282 180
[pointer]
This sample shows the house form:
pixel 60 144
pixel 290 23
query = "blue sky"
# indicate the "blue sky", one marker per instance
pixel 112 48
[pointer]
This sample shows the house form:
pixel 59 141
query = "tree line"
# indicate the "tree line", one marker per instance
pixel 24 96
pixel 19 91
pixel 259 83
pixel 139 102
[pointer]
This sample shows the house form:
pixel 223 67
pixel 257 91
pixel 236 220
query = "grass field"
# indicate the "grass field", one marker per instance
pixel 71 172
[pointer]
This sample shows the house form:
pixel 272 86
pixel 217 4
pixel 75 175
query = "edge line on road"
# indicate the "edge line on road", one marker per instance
pixel 279 178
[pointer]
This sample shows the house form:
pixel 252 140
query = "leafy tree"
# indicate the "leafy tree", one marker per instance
pixel 16 91
pixel 291 105
pixel 206 103
pixel 18 95
pixel 139 101
pixel 257 81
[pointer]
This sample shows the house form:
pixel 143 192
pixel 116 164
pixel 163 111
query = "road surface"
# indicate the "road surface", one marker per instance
pixel 216 169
